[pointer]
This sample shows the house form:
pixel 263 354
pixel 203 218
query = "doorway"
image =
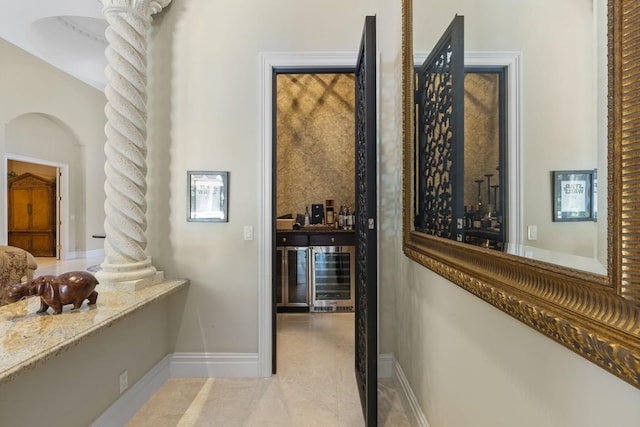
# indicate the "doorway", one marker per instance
pixel 313 183
pixel 266 229
pixel 48 241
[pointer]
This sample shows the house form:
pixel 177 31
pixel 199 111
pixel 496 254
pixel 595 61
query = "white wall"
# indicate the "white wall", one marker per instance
pixel 48 115
pixel 204 111
pixel 470 364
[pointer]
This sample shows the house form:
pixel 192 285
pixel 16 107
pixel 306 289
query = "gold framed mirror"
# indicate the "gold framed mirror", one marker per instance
pixel 596 316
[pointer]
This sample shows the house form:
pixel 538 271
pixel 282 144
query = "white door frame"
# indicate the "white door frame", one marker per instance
pixel 269 61
pixel 62 203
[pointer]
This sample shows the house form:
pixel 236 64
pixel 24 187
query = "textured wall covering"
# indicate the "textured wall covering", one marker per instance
pixel 481 134
pixel 315 141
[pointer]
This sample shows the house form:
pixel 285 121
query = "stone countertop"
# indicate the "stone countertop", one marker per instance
pixel 28 339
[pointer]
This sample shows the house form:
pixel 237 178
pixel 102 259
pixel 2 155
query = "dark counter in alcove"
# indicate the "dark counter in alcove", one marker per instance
pixel 315 236
pixel 320 239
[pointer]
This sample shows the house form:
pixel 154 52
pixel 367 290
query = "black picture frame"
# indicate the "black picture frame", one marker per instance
pixel 207 196
pixel 574 195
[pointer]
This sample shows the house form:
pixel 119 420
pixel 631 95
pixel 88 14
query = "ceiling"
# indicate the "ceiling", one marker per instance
pixel 68 34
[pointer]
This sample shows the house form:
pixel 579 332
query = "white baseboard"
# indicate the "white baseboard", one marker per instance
pixel 215 365
pixel 177 365
pixel 135 397
pixel 409 400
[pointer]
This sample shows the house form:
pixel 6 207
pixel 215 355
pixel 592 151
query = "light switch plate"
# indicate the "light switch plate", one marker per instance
pixel 532 232
pixel 248 232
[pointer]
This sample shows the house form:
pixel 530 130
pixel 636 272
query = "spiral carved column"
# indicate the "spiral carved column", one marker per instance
pixel 127 265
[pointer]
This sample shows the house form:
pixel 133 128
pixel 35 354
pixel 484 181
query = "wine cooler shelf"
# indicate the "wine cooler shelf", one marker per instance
pixel 319 278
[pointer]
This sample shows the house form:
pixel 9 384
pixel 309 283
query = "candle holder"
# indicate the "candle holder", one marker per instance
pixel 488 175
pixel 495 197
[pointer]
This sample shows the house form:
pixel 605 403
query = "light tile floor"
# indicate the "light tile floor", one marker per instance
pixel 50 265
pixel 315 386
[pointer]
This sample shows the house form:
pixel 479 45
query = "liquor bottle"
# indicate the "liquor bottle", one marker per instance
pixel 341 218
pixel 307 217
pixel 349 219
pixel 330 218
pixel 353 219
pixel 465 217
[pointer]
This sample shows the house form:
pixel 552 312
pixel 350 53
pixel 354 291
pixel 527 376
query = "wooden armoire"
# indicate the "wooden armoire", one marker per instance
pixel 32 214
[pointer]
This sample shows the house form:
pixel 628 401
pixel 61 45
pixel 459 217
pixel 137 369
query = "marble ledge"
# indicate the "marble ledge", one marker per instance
pixel 29 339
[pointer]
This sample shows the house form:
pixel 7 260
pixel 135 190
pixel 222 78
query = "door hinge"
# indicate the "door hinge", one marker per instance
pixel 372 224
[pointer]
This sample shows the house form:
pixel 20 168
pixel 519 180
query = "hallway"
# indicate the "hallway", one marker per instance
pixel 315 386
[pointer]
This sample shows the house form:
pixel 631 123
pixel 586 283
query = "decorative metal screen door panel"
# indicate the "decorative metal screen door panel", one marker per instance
pixel 440 152
pixel 366 333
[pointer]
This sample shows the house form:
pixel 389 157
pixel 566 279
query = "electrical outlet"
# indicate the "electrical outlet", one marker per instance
pixel 124 381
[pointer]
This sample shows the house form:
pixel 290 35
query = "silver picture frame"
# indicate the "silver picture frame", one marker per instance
pixel 207 196
pixel 573 195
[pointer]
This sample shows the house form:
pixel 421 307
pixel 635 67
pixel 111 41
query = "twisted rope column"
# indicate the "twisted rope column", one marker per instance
pixel 127 265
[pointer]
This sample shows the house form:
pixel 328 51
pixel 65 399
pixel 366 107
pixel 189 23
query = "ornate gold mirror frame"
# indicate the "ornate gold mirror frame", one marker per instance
pixel 596 316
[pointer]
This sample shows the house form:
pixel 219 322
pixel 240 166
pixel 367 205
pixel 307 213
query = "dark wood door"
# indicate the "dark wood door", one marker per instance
pixel 366 277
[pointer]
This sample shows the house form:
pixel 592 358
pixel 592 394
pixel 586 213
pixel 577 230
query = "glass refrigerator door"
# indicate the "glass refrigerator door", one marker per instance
pixel 333 276
pixel 297 282
pixel 279 276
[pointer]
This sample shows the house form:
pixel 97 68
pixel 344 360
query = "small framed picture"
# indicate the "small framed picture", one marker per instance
pixel 207 196
pixel 574 195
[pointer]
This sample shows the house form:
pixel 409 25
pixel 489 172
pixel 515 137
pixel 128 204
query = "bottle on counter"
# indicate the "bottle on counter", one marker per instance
pixel 341 218
pixel 353 219
pixel 330 216
pixel 349 219
pixel 466 217
pixel 307 217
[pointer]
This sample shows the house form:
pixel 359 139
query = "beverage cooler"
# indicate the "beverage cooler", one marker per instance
pixel 332 278
pixel 292 277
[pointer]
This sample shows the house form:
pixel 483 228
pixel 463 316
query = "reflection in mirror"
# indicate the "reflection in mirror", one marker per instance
pixel 594 315
pixel 485 207
pixel 562 125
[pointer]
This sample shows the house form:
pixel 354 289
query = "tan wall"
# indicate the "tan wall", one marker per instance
pixel 481 136
pixel 204 114
pixel 315 141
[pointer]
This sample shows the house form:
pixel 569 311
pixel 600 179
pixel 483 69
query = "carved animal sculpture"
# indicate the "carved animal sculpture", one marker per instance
pixel 56 291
